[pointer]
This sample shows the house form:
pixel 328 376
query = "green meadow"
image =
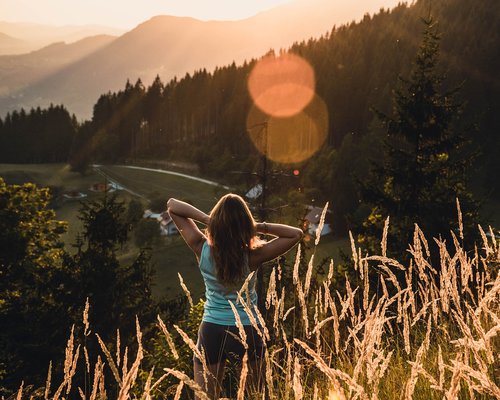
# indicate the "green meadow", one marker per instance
pixel 169 255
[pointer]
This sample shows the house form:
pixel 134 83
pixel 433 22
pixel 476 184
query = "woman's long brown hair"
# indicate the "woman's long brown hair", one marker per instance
pixel 231 231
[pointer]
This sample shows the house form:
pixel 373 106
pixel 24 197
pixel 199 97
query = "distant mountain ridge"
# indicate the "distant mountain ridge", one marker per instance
pixel 172 46
pixel 31 37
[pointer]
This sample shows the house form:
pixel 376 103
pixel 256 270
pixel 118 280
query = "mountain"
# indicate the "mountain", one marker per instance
pixel 19 72
pixel 9 44
pixel 30 37
pixel 173 46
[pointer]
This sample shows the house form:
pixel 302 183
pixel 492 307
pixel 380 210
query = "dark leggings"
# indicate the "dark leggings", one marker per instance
pixel 221 342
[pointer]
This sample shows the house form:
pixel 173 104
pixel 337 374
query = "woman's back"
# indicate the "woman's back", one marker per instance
pixel 217 307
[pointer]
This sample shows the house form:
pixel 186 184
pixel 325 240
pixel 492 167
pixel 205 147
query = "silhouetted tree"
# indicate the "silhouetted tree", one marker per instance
pixel 426 160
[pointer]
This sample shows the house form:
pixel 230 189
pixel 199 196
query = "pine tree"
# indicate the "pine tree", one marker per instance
pixel 426 160
pixel 117 291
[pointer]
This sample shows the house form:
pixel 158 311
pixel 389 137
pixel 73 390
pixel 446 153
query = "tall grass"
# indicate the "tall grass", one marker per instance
pixel 392 331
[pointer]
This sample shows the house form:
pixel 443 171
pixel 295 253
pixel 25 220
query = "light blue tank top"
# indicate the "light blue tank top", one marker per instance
pixel 217 307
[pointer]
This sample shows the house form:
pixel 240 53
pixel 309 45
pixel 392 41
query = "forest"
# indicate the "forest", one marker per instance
pixel 201 118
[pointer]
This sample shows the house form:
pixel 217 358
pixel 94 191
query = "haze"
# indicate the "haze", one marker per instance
pixel 127 14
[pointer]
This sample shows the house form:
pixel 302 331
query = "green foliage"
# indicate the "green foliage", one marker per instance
pixel 117 291
pixel 158 204
pixel 426 160
pixel 103 223
pixel 160 354
pixel 35 301
pixel 135 211
pixel 146 231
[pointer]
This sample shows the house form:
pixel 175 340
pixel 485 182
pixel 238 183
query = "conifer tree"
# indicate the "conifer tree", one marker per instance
pixel 426 160
pixel 117 291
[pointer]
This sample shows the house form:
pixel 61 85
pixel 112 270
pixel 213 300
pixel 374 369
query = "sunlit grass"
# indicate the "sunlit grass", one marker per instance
pixel 427 335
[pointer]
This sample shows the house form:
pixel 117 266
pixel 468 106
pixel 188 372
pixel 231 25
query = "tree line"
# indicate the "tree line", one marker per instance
pixel 201 118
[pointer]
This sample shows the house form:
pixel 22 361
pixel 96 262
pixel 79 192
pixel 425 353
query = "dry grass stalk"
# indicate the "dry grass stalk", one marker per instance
pixel 241 329
pixel 454 388
pixel 70 363
pixel 82 395
pixel 321 224
pixel 118 357
pixel 303 307
pixel 297 386
pixel 269 373
pixel 47 383
pixel 366 285
pixel 330 273
pixel 188 381
pixel 146 395
pixel 296 265
pixel 417 366
pixel 271 289
pixel 336 323
pixel 178 391
pixel 111 362
pixel 287 313
pixel 262 323
pixel 86 325
pixel 20 391
pixel 72 371
pixel 199 354
pixel 87 359
pixel 130 378
pixel 333 374
pixel 170 342
pixel 383 243
pixel 244 286
pixel 460 223
pixel 353 251
pixel 406 328
pixel 307 283
pixel 485 384
pixel 125 362
pixel 243 378
pixel 98 376
pixel 186 290
pixel 315 391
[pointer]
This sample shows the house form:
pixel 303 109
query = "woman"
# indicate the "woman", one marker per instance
pixel 228 252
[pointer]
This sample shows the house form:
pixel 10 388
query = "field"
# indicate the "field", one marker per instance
pixel 169 255
pixel 377 336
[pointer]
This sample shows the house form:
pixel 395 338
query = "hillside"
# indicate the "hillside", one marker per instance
pixel 9 44
pixel 19 71
pixel 31 37
pixel 171 46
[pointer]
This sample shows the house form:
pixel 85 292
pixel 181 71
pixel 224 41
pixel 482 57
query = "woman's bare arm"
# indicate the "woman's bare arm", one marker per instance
pixel 184 215
pixel 286 237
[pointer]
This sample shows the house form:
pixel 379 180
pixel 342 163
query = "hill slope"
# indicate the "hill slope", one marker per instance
pixel 171 46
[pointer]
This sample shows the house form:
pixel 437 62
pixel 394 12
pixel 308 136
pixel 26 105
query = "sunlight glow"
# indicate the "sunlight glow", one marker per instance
pixel 289 140
pixel 282 86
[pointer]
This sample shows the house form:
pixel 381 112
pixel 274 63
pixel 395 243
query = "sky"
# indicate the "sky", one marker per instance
pixel 126 13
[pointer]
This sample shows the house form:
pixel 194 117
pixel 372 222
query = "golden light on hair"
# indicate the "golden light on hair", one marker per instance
pixel 293 139
pixel 282 86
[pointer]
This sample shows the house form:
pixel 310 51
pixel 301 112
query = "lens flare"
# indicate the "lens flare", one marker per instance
pixel 282 86
pixel 293 139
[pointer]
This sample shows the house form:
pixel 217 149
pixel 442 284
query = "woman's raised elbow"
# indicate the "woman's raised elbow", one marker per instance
pixel 298 234
pixel 170 204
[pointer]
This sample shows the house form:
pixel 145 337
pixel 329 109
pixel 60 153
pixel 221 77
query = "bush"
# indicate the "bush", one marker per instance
pixel 146 232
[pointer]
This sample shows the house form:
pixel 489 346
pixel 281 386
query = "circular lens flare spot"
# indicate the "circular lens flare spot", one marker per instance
pixel 282 86
pixel 293 139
